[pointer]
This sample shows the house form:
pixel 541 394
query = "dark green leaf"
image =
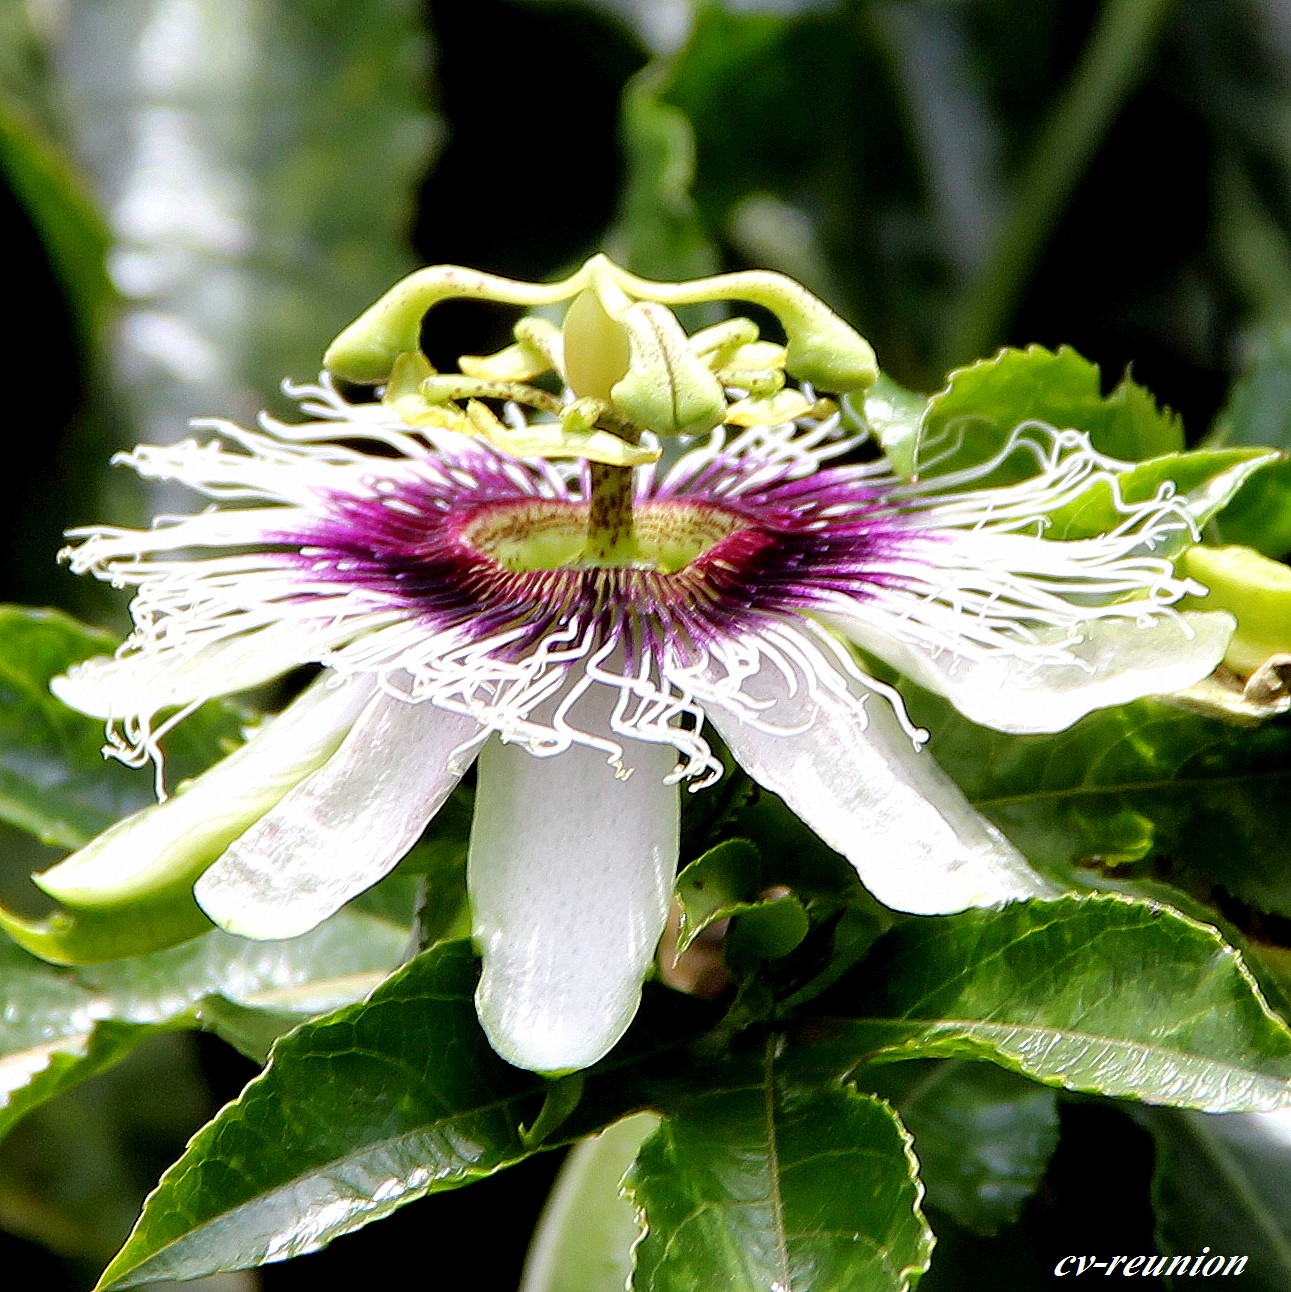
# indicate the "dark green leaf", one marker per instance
pixel 54 780
pixel 983 1136
pixel 1144 780
pixel 970 420
pixel 726 882
pixel 61 208
pixel 62 1026
pixel 1098 994
pixel 659 232
pixel 1225 1183
pixel 358 1113
pixel 50 1033
pixel 1259 413
pixel 752 1185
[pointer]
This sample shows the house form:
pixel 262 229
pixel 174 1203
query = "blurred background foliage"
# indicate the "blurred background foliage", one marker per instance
pixel 195 195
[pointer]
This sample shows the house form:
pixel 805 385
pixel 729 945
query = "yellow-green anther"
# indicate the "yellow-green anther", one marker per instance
pixel 571 437
pixel 596 347
pixel 518 362
pixel 667 387
pixel 1253 588
pixel 542 335
pixel 404 398
pixel 756 354
pixel 583 415
pixel 724 339
pixel 485 423
pixel 757 381
pixel 771 410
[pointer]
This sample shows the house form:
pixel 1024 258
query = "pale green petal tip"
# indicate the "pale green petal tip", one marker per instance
pixel 1256 591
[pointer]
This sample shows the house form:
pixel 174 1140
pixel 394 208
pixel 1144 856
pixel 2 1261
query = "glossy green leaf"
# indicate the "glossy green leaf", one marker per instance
pixel 1141 781
pixel 1202 484
pixel 584 1239
pixel 50 1034
pixel 358 1113
pixel 754 1184
pixel 983 1136
pixel 1099 994
pixel 1259 413
pixel 1225 1183
pixel 54 781
pixel 981 406
pixel 726 883
pixel 61 1027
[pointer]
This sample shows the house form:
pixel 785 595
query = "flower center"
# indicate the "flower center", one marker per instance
pixel 544 534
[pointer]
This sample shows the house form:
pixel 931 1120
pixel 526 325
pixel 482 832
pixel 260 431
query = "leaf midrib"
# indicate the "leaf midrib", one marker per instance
pixel 991 1029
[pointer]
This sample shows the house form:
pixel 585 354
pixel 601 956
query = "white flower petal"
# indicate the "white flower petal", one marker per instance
pixel 851 772
pixel 570 875
pixel 1117 660
pixel 344 827
pixel 141 684
pixel 194 825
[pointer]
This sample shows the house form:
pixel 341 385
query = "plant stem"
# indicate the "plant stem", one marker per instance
pixel 1113 60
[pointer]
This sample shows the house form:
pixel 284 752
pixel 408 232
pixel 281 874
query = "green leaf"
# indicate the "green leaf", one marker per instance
pixel 1225 1183
pixel 983 1136
pixel 894 416
pixel 60 1028
pixel 1125 784
pixel 721 883
pixel 1097 994
pixel 1259 413
pixel 51 1034
pixel 658 232
pixel 584 1239
pixel 753 1184
pixel 1202 483
pixel 969 421
pixel 63 212
pixel 358 1113
pixel 726 883
pixel 54 781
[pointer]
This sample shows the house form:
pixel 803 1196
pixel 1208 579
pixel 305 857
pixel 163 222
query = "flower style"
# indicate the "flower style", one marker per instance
pixel 462 613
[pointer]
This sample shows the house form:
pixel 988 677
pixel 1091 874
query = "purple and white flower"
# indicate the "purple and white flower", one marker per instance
pixel 436 579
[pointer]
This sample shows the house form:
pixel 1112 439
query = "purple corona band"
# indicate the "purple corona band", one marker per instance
pixel 425 544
